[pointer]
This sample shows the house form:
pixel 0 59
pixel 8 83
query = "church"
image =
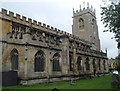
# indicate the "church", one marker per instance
pixel 39 53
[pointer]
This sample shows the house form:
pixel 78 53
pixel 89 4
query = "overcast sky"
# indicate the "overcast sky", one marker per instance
pixel 58 13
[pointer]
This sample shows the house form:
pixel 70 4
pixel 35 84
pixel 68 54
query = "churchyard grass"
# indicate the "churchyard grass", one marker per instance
pixel 102 82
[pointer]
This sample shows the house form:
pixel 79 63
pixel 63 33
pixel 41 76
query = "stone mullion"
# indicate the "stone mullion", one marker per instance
pixel 21 32
pixel 91 66
pixel 83 65
pixel 96 64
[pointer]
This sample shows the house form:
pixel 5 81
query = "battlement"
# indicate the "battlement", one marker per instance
pixel 9 15
pixel 28 21
pixel 84 10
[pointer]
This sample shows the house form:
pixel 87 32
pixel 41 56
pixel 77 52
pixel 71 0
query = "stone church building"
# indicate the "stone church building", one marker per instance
pixel 41 53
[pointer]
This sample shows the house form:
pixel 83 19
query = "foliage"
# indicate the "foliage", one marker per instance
pixel 118 59
pixel 111 19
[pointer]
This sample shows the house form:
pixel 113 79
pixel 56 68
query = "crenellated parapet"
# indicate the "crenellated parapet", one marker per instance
pixel 37 30
pixel 28 22
pixel 84 10
pixel 11 16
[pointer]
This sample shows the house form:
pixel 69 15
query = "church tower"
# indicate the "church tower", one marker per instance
pixel 85 25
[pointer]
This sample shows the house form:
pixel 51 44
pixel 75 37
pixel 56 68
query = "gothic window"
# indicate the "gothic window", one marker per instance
pixel 21 35
pixel 52 39
pixel 16 32
pixel 94 66
pixel 70 62
pixel 87 64
pixel 93 21
pixel 39 61
pixel 79 60
pixel 14 59
pixel 57 40
pixel 104 65
pixel 40 37
pixel 34 37
pixel 93 26
pixel 99 65
pixel 47 38
pixel 56 62
pixel 81 23
pixel 11 34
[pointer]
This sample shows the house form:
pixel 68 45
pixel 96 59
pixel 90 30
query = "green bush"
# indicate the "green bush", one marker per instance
pixel 118 59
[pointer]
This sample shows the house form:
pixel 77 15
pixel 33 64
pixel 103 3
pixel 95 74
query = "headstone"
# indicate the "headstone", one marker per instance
pixel 115 79
pixel 73 82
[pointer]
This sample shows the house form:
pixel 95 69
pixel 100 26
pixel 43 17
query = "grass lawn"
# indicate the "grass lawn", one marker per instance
pixel 103 82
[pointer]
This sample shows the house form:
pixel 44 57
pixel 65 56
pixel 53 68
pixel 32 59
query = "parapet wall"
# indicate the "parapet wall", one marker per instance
pixel 84 10
pixel 22 19
pixel 9 15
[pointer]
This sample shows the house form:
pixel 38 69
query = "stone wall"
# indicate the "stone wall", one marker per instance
pixel 29 37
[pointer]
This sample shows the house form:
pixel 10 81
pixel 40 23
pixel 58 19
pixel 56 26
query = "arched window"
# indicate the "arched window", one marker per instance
pixel 14 59
pixel 93 28
pixel 99 65
pixel 87 64
pixel 104 65
pixel 94 67
pixel 81 23
pixel 56 62
pixel 39 61
pixel 79 59
pixel 93 22
pixel 70 62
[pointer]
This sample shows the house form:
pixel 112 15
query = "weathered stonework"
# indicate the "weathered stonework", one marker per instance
pixel 62 54
pixel 112 64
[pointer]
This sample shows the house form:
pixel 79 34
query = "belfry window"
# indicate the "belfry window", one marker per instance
pixel 14 59
pixel 81 24
pixel 79 59
pixel 56 62
pixel 39 61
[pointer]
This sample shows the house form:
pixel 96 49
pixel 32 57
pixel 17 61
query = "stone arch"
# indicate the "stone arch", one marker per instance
pixel 56 62
pixel 99 64
pixel 104 64
pixel 79 60
pixel 94 66
pixel 87 65
pixel 14 56
pixel 81 23
pixel 93 21
pixel 70 62
pixel 39 61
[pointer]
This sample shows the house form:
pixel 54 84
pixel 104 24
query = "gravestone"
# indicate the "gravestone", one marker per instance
pixel 115 79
